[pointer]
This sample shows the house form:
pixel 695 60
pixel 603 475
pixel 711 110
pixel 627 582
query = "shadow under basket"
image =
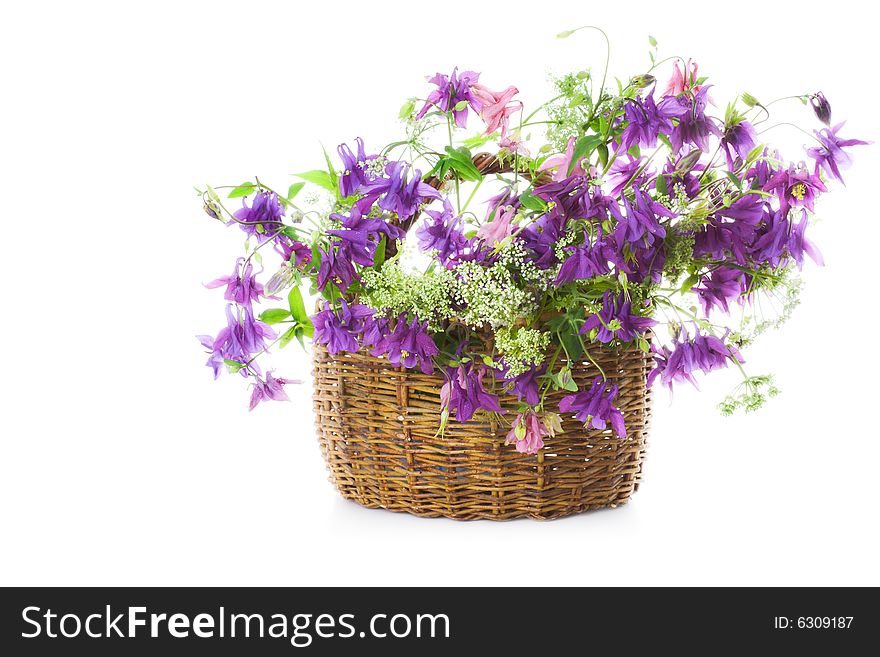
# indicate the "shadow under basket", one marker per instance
pixel 377 425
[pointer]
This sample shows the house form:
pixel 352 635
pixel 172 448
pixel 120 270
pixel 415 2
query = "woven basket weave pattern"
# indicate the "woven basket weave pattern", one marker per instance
pixel 378 430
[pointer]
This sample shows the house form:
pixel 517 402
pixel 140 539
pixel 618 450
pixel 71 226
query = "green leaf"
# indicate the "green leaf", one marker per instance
pixel 298 307
pixel 289 335
pixel 460 105
pixel 334 178
pixel 232 365
pixel 571 343
pixel 652 41
pixel 460 160
pixel 565 381
pixel 661 186
pixel 320 178
pixel 274 315
pixel 736 181
pixel 689 282
pixel 244 189
pixel 379 256
pixel 565 34
pixel 406 109
pixel 294 189
pixel 583 147
pixel 531 202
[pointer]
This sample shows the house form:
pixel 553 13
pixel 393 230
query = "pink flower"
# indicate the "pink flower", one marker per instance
pixel 527 433
pixel 495 107
pixel 512 144
pixel 562 162
pixel 682 81
pixel 498 229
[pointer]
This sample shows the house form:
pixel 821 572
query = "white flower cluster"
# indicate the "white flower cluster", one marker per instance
pixel 521 348
pixel 427 296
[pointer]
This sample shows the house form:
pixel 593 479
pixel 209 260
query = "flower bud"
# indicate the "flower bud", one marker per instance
pixel 642 81
pixel 212 210
pixel 821 107
pixel 281 279
pixel 687 163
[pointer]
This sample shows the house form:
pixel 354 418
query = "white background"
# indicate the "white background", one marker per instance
pixel 123 463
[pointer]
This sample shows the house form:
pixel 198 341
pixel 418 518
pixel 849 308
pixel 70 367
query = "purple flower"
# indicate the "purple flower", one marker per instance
pixel 615 320
pixel 830 155
pixel 704 352
pixel 525 386
pixel 450 91
pixel 527 433
pixel 464 394
pixel 732 229
pixel 401 196
pixel 241 287
pixel 623 173
pixel 240 340
pixel 641 224
pixel 336 266
pixel 541 236
pixel 441 232
pixel 694 127
pixel 340 330
pixel 270 388
pixel 585 261
pixel 821 107
pixel 798 244
pixel 594 407
pixel 795 187
pixel 718 287
pixel 408 345
pixel 354 176
pixel 738 139
pixel 645 119
pixel 262 218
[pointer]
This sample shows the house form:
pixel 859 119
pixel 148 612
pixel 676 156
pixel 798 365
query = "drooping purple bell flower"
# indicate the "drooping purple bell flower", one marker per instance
pixel 585 261
pixel 719 287
pixel 615 320
pixel 821 107
pixel 336 266
pixel 738 140
pixel 830 155
pixel 339 330
pixel 408 345
pixel 240 340
pixel 645 120
pixel 401 194
pixel 796 187
pixel 694 127
pixel 463 392
pixel 525 386
pixel 354 175
pixel 241 286
pixel 263 218
pixel 450 91
pixel 703 353
pixel 641 223
pixel 269 388
pixel 595 407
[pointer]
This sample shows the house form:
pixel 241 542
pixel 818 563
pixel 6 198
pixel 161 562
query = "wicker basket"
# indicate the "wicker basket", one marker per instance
pixel 378 429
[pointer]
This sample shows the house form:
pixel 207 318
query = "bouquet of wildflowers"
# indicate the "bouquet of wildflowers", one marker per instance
pixel 585 224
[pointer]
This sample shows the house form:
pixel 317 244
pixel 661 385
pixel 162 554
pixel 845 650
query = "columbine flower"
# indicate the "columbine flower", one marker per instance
pixel 682 81
pixel 694 127
pixel 441 232
pixel 594 407
pixel 292 251
pixel 645 120
pixel 798 244
pixel 340 330
pixel 615 321
pixel 641 224
pixel 240 340
pixel 585 261
pixel 451 90
pixel 830 155
pixel 495 107
pixel 540 237
pixel 525 386
pixel 623 173
pixel 796 187
pixel 270 388
pixel 401 196
pixel 361 235
pixel 718 287
pixel 354 174
pixel 336 267
pixel 497 230
pixel 409 345
pixel 821 107
pixel 704 352
pixel 562 162
pixel 463 392
pixel 512 144
pixel 262 218
pixel 738 139
pixel 527 433
pixel 241 286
